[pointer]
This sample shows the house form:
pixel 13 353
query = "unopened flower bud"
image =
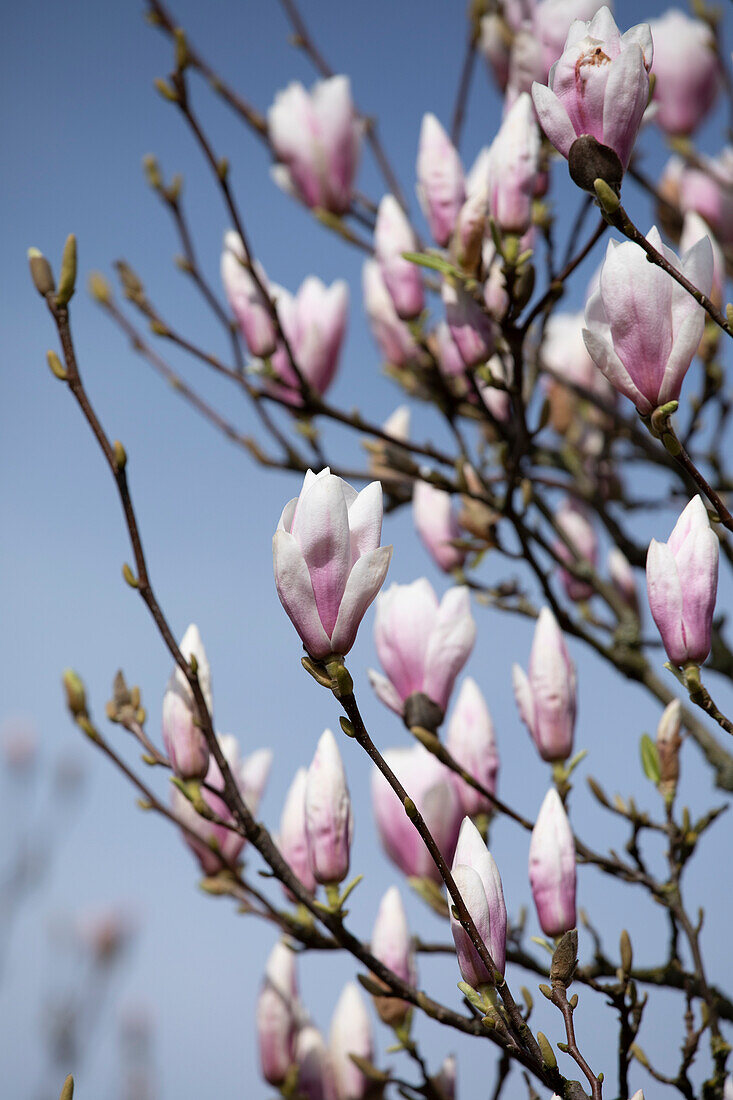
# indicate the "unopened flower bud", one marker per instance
pixel 682 584
pixel 547 696
pixel 277 1015
pixel 391 943
pixel 351 1033
pixel 668 747
pixel 328 817
pixel 552 867
pixel 472 743
pixel 479 883
pixel 292 839
pixel 436 524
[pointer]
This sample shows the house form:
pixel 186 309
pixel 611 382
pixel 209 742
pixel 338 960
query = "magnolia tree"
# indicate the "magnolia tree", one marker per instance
pixel 546 412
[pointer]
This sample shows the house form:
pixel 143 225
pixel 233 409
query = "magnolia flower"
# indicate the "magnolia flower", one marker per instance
pixel 513 168
pixel 431 789
pixel 277 1015
pixel 642 327
pixel 707 189
pixel 421 644
pixel 547 696
pixel 328 563
pixel 682 583
pixel 393 337
pixel 440 183
pixel 315 1071
pixel 573 521
pixel 394 235
pixel 552 867
pixel 292 840
pixel 472 743
pixel 694 229
pixel 351 1033
pixel 469 324
pixel 687 71
pixel 316 136
pixel 184 740
pixel 436 524
pixel 477 877
pixel 391 943
pixel 329 823
pixel 622 578
pixel 247 301
pixel 599 88
pixel 216 845
pixel 314 323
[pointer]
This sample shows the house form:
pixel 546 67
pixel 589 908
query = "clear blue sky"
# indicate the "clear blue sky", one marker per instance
pixel 79 114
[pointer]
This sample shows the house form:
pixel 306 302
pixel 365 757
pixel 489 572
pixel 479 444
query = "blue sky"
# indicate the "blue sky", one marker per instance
pixel 80 113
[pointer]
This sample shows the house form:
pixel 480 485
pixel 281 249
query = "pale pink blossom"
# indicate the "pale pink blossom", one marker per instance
pixel 316 137
pixel 471 741
pixel 314 323
pixel 547 695
pixel 422 645
pixel 329 822
pixel 687 71
pixel 291 839
pixel 436 524
pixel 184 740
pixel 328 563
pixel 394 235
pixel 682 584
pixel 479 883
pixel 599 87
pixel 351 1033
pixel 247 301
pixel 391 334
pixel 552 867
pixel 440 182
pixel 429 785
pixel 642 327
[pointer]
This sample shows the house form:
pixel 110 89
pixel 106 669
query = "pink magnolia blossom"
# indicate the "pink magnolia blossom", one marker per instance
pixel 292 840
pixel 552 867
pixel 316 136
pixel 572 519
pixel 436 524
pixel 391 943
pixel 314 323
pixel 315 1069
pixel 440 182
pixel 429 785
pixel 247 302
pixel 328 563
pixel 277 1016
pixel 472 742
pixel 394 235
pixel 183 737
pixel 471 224
pixel 682 583
pixel 513 168
pixel 329 823
pixel 687 71
pixel 565 355
pixel 707 189
pixel 445 1079
pixel 422 645
pixel 599 87
pixel 642 327
pixel 547 696
pixel 470 326
pixel 216 845
pixel 351 1033
pixel 694 229
pixel 391 334
pixel 622 577
pixel 479 883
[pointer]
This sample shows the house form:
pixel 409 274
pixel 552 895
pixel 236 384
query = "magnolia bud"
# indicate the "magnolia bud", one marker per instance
pixel 328 817
pixel 351 1033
